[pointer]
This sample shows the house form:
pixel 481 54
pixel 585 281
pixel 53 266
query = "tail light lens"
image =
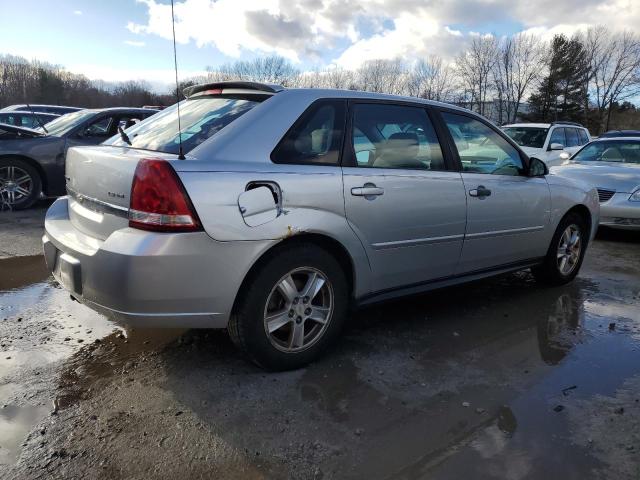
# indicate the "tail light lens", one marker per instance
pixel 159 201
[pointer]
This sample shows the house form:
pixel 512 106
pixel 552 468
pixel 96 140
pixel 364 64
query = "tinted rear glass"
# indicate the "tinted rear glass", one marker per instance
pixel 200 118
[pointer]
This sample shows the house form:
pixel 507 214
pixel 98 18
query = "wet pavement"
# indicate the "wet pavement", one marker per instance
pixel 495 379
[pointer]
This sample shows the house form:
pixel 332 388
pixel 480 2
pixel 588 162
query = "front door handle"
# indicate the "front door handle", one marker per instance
pixel 367 190
pixel 480 192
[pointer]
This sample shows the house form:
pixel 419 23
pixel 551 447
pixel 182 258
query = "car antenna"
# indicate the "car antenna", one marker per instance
pixel 175 64
pixel 37 119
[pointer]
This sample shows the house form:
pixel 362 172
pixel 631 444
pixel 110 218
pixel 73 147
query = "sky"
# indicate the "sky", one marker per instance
pixel 119 40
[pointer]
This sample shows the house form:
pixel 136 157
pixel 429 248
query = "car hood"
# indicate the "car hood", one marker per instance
pixel 24 132
pixel 621 177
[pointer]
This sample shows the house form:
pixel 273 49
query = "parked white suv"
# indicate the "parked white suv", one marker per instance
pixel 547 141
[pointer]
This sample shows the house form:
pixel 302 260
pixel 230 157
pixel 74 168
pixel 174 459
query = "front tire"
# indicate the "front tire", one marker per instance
pixel 566 252
pixel 291 309
pixel 20 184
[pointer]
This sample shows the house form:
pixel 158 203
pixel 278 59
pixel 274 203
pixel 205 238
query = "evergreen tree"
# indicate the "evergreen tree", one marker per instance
pixel 561 95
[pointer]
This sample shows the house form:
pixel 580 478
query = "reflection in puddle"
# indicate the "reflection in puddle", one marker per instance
pixel 15 424
pixel 39 327
pixel 17 272
pixel 117 353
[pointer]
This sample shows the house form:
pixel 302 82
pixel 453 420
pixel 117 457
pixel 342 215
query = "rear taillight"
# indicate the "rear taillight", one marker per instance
pixel 159 201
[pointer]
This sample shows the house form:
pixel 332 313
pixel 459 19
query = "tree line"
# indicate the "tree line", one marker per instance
pixel 589 77
pixel 24 81
pixel 592 77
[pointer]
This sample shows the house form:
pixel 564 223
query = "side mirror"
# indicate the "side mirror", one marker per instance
pixel 565 156
pixel 537 168
pixel 556 146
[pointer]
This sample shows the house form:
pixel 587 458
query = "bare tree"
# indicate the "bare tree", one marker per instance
pixel 382 76
pixel 430 78
pixel 271 69
pixel 474 68
pixel 614 68
pixel 519 64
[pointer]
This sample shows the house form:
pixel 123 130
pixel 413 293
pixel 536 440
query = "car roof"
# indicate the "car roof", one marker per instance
pixel 544 125
pixel 120 110
pixel 17 106
pixel 319 93
pixel 622 139
pixel 309 93
pixel 534 125
pixel 27 113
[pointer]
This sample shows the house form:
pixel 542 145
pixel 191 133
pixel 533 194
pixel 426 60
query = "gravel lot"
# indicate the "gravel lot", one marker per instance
pixel 496 379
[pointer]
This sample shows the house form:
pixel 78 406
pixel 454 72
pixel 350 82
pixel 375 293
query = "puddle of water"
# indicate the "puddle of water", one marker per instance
pixel 115 353
pixel 20 271
pixel 15 424
pixel 39 327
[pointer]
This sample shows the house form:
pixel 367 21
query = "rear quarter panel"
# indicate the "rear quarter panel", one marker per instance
pixel 312 202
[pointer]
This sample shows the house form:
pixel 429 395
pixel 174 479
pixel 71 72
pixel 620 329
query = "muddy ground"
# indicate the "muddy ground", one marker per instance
pixel 496 379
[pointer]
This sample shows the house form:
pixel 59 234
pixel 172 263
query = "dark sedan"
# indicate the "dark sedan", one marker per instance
pixel 19 118
pixel 57 109
pixel 32 161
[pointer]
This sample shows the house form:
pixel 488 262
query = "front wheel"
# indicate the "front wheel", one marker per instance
pixel 291 308
pixel 566 252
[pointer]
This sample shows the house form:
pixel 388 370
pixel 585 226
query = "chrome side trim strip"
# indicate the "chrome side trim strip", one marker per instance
pixel 96 205
pixel 511 231
pixel 416 241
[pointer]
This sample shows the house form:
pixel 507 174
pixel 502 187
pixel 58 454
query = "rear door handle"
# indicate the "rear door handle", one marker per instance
pixel 480 192
pixel 368 190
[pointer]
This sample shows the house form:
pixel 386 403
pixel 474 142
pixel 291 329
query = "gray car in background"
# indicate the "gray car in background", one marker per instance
pixel 612 165
pixel 19 118
pixel 274 211
pixel 32 161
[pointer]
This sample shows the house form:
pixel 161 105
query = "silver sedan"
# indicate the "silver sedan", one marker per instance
pixel 612 165
pixel 274 211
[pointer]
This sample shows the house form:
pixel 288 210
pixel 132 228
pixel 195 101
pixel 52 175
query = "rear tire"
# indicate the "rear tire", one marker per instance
pixel 566 252
pixel 20 184
pixel 291 309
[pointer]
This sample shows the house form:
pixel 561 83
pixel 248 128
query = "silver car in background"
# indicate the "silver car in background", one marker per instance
pixel 274 211
pixel 612 165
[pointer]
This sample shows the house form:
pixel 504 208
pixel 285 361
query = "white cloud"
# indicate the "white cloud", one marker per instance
pixel 77 12
pixel 350 32
pixel 134 43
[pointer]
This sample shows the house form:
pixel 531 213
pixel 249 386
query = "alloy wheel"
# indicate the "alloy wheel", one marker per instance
pixel 15 185
pixel 569 249
pixel 298 309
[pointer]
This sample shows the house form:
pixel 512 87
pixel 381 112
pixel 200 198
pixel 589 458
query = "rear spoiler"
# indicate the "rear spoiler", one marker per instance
pixel 232 87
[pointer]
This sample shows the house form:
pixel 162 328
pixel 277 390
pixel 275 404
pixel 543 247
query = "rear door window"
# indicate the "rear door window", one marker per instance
pixel 395 136
pixel 584 138
pixel 557 136
pixel 316 138
pixel 573 140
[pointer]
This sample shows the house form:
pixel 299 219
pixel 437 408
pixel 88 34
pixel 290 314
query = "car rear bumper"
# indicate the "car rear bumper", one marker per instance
pixel 620 213
pixel 148 279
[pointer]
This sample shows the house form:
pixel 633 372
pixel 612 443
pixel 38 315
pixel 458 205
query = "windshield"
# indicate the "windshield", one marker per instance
pixel 610 151
pixel 68 122
pixel 200 118
pixel 532 137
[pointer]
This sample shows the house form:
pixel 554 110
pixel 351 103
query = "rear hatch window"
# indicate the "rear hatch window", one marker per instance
pixel 200 118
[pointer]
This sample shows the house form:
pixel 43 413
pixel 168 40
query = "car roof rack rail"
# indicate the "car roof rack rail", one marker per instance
pixel 563 122
pixel 234 87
